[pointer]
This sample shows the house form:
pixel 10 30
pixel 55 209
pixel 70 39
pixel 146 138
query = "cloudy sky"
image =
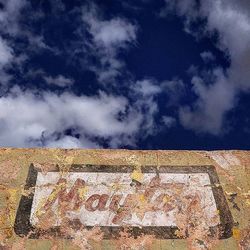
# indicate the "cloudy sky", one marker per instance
pixel 137 74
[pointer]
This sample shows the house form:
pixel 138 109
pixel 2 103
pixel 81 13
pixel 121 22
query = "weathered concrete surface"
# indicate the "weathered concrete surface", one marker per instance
pixel 191 199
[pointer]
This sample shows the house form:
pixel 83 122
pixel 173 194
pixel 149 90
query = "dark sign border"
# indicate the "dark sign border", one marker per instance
pixel 23 227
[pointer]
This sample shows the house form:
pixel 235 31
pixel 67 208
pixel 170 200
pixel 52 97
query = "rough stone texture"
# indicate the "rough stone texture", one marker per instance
pixel 232 168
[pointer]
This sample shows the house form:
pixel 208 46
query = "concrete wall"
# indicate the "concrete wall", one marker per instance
pixel 120 199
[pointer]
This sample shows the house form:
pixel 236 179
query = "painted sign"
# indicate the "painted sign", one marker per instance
pixel 153 200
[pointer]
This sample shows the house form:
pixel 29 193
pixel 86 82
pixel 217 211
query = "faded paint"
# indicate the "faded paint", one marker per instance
pixel 96 206
pixel 225 159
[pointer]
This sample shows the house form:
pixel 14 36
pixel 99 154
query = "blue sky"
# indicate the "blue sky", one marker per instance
pixel 125 74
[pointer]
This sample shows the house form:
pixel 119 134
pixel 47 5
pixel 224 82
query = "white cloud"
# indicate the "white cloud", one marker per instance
pixel 35 118
pixel 109 34
pixel 108 39
pixel 207 56
pixel 214 101
pixel 14 28
pixel 60 81
pixel 41 119
pixel 6 58
pixel 231 20
pixel 145 91
pixel 146 87
pixel 6 53
pixel 148 90
pixel 175 90
pixel 71 142
pixel 10 14
pixel 10 26
pixel 182 7
pixel 168 121
pixel 11 22
pixel 116 32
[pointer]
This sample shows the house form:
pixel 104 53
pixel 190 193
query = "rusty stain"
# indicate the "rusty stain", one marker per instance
pixel 236 233
pixel 125 241
pixel 245 239
pixel 191 221
pixel 137 175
